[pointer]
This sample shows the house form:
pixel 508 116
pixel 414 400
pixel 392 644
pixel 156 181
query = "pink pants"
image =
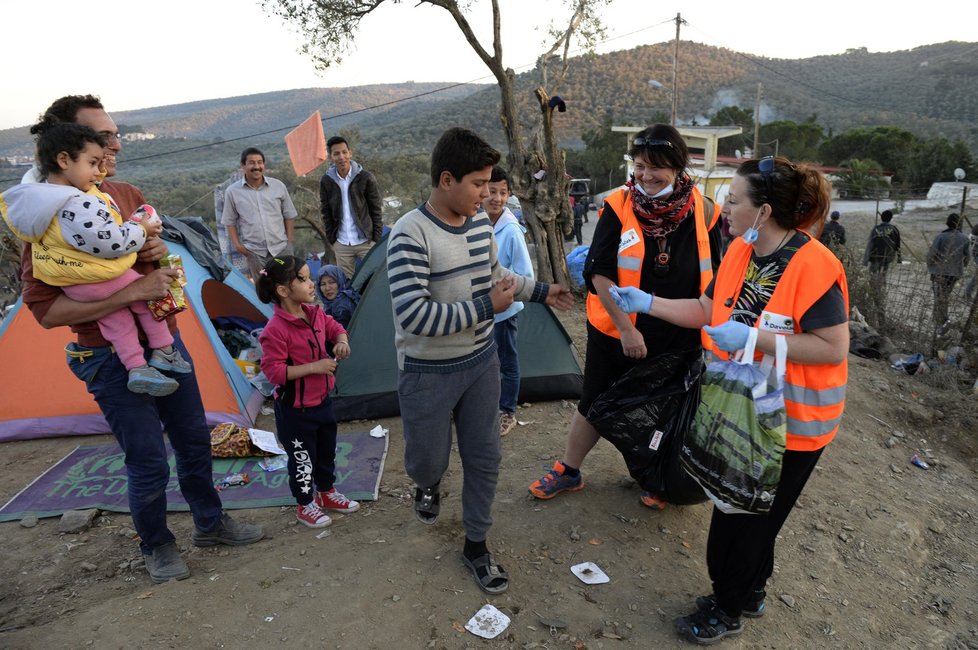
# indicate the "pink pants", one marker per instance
pixel 119 327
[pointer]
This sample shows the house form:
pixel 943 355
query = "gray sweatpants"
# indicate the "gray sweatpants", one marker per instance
pixel 429 402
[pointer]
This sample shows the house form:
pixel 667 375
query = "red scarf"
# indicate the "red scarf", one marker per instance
pixel 660 217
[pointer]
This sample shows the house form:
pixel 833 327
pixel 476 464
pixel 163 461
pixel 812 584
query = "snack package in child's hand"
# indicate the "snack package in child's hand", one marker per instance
pixel 145 214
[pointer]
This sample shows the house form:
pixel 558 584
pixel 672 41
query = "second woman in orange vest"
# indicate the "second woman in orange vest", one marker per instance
pixel 659 234
pixel 777 278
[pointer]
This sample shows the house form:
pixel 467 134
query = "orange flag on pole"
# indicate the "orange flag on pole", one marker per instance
pixel 307 145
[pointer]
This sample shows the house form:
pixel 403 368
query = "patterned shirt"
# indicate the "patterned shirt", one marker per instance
pixel 440 277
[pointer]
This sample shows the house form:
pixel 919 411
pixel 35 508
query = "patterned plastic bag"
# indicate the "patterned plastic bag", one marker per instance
pixel 228 440
pixel 735 446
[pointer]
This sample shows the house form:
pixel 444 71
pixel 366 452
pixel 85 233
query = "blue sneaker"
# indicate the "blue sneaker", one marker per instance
pixel 556 482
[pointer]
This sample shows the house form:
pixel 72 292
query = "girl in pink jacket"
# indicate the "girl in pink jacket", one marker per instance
pixel 295 360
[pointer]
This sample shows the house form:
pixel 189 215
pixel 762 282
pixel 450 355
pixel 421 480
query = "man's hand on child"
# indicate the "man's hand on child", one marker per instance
pixel 341 350
pixel 502 294
pixel 153 250
pixel 560 297
pixel 152 286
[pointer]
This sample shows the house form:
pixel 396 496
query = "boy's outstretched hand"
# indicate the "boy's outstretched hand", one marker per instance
pixel 560 297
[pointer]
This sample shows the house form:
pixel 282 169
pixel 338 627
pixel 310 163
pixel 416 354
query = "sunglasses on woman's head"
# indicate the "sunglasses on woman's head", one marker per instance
pixel 651 142
pixel 766 167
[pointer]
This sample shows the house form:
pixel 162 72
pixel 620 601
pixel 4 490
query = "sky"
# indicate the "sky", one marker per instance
pixel 161 53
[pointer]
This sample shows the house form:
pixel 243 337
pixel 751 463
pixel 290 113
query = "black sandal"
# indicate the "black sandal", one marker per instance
pixel 706 627
pixel 491 577
pixel 427 504
pixel 753 609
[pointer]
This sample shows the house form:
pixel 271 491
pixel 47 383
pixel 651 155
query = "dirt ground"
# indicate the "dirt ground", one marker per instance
pixel 878 552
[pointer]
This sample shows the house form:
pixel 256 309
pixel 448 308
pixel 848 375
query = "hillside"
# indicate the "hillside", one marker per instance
pixel 930 90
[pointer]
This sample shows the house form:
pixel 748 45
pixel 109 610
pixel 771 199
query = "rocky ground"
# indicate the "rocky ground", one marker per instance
pixel 878 552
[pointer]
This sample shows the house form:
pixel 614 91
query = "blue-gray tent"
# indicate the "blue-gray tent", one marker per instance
pixel 366 383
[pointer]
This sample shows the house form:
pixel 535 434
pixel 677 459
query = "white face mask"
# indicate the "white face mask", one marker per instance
pixel 663 192
pixel 750 235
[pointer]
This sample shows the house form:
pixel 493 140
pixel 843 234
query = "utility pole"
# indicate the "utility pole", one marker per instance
pixel 675 70
pixel 757 122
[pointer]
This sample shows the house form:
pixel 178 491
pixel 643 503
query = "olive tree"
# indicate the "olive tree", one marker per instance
pixel 329 28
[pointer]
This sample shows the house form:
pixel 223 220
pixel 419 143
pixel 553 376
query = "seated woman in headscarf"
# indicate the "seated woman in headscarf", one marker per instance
pixel 338 297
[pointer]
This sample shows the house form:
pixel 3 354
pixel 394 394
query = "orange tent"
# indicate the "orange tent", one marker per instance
pixel 40 397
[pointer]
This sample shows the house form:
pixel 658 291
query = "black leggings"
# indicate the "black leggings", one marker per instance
pixel 740 548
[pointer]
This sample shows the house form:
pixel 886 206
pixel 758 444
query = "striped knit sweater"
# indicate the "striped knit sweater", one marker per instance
pixel 440 278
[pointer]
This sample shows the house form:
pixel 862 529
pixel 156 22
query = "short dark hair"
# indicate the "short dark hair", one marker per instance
pixel 835 215
pixel 499 175
pixel 65 109
pixel 885 216
pixel 953 220
pixel 279 271
pixel 251 151
pixel 460 152
pixel 336 139
pixel 52 138
pixel 675 155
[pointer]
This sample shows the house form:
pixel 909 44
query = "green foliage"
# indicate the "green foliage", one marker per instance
pixel 860 179
pixel 797 141
pixel 602 158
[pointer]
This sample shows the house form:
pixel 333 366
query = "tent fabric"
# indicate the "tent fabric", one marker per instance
pixel 56 403
pixel 307 145
pixel 366 383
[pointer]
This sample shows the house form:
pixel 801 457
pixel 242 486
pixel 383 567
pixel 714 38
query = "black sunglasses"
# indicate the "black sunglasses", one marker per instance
pixel 651 142
pixel 766 167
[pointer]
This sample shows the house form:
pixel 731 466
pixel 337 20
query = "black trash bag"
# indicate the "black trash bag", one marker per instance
pixel 645 415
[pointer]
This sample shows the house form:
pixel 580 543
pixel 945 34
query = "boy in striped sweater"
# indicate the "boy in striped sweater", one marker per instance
pixel 445 287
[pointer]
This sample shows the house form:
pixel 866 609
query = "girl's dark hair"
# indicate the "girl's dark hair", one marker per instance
pixel 279 271
pixel 800 195
pixel 662 146
pixel 52 138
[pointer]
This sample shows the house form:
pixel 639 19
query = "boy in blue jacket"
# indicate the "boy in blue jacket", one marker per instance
pixel 512 254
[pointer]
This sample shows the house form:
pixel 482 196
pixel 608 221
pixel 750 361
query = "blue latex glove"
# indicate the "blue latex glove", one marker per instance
pixel 631 300
pixel 730 336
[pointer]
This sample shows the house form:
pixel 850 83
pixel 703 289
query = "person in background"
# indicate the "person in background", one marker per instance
pixel 351 206
pixel 834 234
pixel 774 277
pixel 969 291
pixel 883 247
pixel 295 360
pixel 660 234
pixel 338 297
pixel 947 258
pixel 258 214
pixel 446 284
pixel 138 421
pixel 512 254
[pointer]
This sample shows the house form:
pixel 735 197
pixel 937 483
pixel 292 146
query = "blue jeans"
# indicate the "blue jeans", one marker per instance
pixel 137 422
pixel 509 363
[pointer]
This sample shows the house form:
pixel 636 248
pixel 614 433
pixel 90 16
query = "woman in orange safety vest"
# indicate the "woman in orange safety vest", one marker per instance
pixel 776 277
pixel 657 233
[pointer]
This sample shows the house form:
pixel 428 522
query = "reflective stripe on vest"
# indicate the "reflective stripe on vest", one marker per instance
pixel 814 394
pixel 630 259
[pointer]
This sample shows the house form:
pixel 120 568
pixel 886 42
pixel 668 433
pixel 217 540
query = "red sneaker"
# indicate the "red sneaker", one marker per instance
pixel 312 516
pixel 335 501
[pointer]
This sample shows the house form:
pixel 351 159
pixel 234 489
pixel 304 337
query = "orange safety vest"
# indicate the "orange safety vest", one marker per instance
pixel 631 257
pixel 814 394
